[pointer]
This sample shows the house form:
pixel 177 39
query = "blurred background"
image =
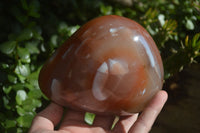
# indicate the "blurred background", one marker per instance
pixel 31 30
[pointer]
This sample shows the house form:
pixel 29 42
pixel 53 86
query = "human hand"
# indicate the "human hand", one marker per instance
pixel 73 121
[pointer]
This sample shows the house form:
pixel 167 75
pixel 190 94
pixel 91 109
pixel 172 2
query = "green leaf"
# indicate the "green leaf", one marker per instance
pixel 8 47
pixel 7 89
pixel 115 122
pixel 33 79
pixel 20 111
pixel 12 78
pixel 54 41
pixel 30 104
pixel 34 8
pixel 106 10
pixel 89 118
pixel 25 35
pixel 22 70
pixel 18 86
pixel 10 123
pixel 36 93
pixel 21 78
pixel 62 28
pixel 73 29
pixel 6 103
pixel 189 25
pixel 161 19
pixel 4 66
pixel 20 96
pixel 187 41
pixel 25 121
pixel 29 86
pixel 150 17
pixel 32 47
pixel 176 2
pixel 24 4
pixel 170 26
pixel 5 100
pixel 24 55
pixel 196 40
pixel 37 103
pixel 37 35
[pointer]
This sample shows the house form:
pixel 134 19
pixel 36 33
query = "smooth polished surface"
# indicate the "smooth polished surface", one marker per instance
pixel 111 65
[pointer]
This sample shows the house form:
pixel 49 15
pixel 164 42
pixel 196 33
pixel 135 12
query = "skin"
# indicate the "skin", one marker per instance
pixel 73 121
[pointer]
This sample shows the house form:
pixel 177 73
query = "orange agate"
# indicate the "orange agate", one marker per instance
pixel 111 65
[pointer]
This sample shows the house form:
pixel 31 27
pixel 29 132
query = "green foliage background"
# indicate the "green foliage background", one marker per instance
pixel 31 30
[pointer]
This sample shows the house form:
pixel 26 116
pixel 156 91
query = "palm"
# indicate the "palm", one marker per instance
pixel 73 121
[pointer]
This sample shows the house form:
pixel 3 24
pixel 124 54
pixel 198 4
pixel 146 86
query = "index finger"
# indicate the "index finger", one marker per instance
pixel 148 116
pixel 47 119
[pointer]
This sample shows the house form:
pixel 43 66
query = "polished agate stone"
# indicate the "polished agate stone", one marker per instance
pixel 111 65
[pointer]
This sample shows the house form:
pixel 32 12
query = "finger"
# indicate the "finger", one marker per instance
pixel 47 119
pixel 104 121
pixel 74 122
pixel 148 116
pixel 73 117
pixel 125 123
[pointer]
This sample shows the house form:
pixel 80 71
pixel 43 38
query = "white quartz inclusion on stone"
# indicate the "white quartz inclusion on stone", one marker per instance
pixel 112 66
pixel 117 67
pixel 114 31
pixel 99 82
pixel 56 86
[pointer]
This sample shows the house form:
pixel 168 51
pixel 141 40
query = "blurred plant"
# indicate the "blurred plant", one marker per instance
pixel 32 30
pixel 167 32
pixel 20 66
pixel 20 92
pixel 187 54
